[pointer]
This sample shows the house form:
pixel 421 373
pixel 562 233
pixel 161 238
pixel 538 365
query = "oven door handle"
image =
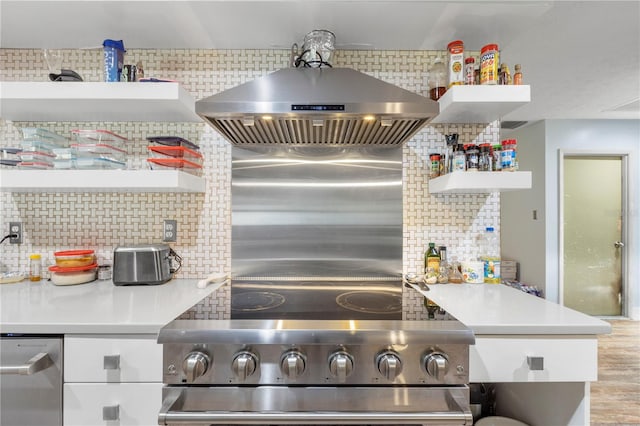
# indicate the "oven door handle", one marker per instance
pixel 39 362
pixel 171 414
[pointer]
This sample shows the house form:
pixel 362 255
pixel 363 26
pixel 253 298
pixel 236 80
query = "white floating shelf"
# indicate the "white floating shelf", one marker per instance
pixel 480 103
pixel 99 181
pixel 86 101
pixel 480 182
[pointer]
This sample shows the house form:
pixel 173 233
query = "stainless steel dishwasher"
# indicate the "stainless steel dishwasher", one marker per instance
pixel 31 382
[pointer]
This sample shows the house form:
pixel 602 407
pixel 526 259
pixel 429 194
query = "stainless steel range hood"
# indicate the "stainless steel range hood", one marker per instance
pixel 317 106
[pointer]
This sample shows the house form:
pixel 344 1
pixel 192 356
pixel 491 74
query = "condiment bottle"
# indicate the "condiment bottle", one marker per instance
pixel 459 159
pixel 497 158
pixel 35 267
pixel 485 160
pixel 443 272
pixel 473 156
pixel 456 63
pixel 505 74
pixel 489 61
pixel 470 71
pixel 434 172
pixel 431 260
pixel 517 76
pixel 437 79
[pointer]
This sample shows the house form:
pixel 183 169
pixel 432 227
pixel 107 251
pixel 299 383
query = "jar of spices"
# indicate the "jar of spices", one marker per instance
pixel 470 71
pixel 434 172
pixel 459 159
pixel 506 156
pixel 517 75
pixel 497 159
pixel 489 61
pixel 456 62
pixel 473 156
pixel 485 160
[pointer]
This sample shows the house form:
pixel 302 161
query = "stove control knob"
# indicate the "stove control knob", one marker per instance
pixel 244 364
pixel 389 364
pixel 436 365
pixel 195 364
pixel 292 364
pixel 341 365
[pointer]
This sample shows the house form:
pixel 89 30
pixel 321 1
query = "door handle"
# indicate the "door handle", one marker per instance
pixel 34 365
pixel 618 244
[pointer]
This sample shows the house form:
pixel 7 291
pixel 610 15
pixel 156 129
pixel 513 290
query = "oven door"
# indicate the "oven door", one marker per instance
pixel 275 405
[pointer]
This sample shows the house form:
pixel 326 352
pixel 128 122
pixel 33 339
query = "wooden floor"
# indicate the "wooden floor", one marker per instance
pixel 615 397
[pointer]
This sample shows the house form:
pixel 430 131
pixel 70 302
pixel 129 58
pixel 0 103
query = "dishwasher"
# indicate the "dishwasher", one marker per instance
pixel 31 380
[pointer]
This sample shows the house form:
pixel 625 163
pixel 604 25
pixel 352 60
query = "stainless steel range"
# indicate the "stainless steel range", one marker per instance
pixel 315 372
pixel 316 333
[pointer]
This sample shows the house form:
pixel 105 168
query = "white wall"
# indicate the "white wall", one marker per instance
pixel 523 237
pixel 621 136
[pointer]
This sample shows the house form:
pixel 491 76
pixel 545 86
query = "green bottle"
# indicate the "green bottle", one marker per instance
pixel 431 259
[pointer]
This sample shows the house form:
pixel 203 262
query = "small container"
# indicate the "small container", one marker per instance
pixel 473 157
pixel 489 61
pixel 459 159
pixel 508 155
pixel 456 62
pixel 437 79
pixel 73 258
pixel 173 164
pixel 175 152
pixel 34 165
pixel 39 134
pixel 470 71
pixel 104 272
pixel 473 272
pixel 173 141
pixel 40 156
pixel 486 160
pixel 73 275
pixel 434 172
pixel 517 74
pixel 497 158
pixel 113 59
pixel 99 163
pixel 35 267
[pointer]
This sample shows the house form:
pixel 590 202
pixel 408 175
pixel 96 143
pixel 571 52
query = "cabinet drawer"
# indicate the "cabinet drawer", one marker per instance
pixel 136 358
pixel 504 359
pixel 95 404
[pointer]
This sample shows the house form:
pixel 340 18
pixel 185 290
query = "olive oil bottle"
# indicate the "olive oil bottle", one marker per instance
pixel 431 258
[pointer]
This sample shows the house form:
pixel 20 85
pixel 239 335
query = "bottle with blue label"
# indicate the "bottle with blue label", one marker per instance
pixel 490 256
pixel 113 59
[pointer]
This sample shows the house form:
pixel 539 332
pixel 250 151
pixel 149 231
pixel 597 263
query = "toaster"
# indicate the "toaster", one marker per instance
pixel 144 264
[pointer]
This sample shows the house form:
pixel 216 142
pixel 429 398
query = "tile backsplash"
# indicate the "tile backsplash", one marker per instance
pixel 101 221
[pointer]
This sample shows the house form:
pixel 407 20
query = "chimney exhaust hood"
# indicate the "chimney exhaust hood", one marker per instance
pixel 317 106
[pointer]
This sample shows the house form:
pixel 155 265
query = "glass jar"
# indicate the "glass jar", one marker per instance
pixel 35 267
pixel 497 158
pixel 459 159
pixel 437 79
pixel 473 156
pixel 485 160
pixel 434 172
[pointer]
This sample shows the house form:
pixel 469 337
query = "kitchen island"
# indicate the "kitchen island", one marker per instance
pixel 112 363
pixel 541 356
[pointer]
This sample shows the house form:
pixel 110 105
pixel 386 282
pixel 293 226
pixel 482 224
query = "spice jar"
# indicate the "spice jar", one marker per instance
pixel 507 155
pixel 497 158
pixel 459 159
pixel 434 172
pixel 470 71
pixel 489 61
pixel 473 156
pixel 35 267
pixel 517 75
pixel 485 160
pixel 437 79
pixel 456 64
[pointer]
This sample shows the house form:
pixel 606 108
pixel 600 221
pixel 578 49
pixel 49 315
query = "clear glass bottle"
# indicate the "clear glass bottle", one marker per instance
pixel 485 161
pixel 35 267
pixel 437 79
pixel 517 75
pixel 443 272
pixel 459 159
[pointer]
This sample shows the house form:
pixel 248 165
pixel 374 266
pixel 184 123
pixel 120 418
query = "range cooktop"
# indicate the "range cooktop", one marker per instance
pixel 312 299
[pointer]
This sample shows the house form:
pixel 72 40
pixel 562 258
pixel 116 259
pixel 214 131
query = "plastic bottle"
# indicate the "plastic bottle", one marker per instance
pixel 490 255
pixel 35 267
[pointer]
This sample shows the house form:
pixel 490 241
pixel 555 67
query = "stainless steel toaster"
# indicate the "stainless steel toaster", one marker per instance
pixel 144 264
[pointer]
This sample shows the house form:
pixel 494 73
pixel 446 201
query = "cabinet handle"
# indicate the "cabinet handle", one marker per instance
pixel 111 413
pixel 111 362
pixel 38 363
pixel 535 363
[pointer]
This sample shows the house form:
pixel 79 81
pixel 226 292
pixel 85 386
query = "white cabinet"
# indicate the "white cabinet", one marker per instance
pixel 112 379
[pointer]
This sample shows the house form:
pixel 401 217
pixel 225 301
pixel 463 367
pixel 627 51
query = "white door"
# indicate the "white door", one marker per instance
pixel 592 233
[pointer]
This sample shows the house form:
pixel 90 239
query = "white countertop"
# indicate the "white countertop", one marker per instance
pixel 98 307
pixel 500 309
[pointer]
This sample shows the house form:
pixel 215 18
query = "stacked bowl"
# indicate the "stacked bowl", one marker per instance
pixel 74 267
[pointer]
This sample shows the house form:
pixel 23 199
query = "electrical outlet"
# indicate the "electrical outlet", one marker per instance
pixel 170 231
pixel 15 228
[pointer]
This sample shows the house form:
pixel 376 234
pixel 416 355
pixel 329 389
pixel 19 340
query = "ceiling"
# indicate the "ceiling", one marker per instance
pixel 581 58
